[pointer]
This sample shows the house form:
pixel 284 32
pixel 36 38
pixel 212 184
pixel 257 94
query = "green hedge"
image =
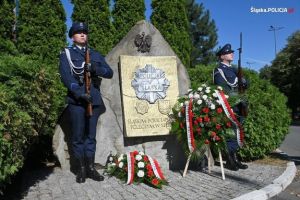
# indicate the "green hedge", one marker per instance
pixel 31 98
pixel 268 119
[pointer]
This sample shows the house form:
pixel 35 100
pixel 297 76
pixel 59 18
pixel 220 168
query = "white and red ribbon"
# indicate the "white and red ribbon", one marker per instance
pixel 156 168
pixel 189 126
pixel 130 167
pixel 229 113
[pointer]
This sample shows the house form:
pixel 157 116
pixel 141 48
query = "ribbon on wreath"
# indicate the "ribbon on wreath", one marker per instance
pixel 130 167
pixel 156 168
pixel 229 113
pixel 189 125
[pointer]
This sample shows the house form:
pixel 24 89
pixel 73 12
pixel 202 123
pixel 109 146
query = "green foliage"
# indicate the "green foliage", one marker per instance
pixel 203 33
pixel 6 27
pixel 125 15
pixel 170 18
pixel 41 29
pixel 97 15
pixel 30 100
pixel 7 19
pixel 285 70
pixel 268 119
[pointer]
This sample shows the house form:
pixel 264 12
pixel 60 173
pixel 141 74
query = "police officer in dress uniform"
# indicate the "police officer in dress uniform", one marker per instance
pixel 83 128
pixel 227 76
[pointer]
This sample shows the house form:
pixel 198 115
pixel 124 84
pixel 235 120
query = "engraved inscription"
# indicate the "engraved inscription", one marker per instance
pixel 150 84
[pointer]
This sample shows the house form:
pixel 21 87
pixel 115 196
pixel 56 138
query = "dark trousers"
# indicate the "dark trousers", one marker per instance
pixel 84 130
pixel 232 145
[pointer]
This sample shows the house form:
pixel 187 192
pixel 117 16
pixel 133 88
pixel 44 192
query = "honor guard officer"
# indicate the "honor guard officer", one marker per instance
pixel 227 76
pixel 83 127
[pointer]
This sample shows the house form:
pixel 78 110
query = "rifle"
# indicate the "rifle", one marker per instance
pixel 241 89
pixel 87 81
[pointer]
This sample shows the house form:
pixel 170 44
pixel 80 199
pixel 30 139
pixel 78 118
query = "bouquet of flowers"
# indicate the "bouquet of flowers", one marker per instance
pixel 204 116
pixel 136 167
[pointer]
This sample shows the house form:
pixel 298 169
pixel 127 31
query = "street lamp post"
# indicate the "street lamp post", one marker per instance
pixel 274 29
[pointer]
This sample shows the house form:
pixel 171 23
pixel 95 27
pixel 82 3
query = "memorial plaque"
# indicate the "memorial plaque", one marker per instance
pixel 149 89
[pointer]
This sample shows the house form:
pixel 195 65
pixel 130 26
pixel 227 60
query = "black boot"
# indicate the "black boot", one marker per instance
pixel 230 164
pixel 91 172
pixel 81 174
pixel 238 163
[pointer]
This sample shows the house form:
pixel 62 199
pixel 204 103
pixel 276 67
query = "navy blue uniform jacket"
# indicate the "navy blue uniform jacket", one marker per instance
pixel 74 83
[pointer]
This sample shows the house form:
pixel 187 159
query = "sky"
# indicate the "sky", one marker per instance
pixel 251 17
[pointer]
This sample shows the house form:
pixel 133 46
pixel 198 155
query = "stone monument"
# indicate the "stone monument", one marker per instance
pixel 145 49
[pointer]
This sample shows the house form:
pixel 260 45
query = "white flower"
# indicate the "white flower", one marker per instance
pixel 191 95
pixel 212 106
pixel 208 88
pixel 113 164
pixel 219 88
pixel 215 94
pixel 204 97
pixel 179 114
pixel 207 91
pixel 196 96
pixel 199 102
pixel 141 153
pixel 141 173
pixel 186 103
pixel 189 90
pixel 226 96
pixel 121 157
pixel 181 104
pixel 111 159
pixel 121 164
pixel 203 85
pixel 138 157
pixel 141 164
pixel 200 89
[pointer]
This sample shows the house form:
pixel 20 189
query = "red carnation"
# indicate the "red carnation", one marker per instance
pixel 228 124
pixel 205 110
pixel 213 134
pixel 135 153
pixel 218 126
pixel 148 167
pixel 199 119
pixel 206 141
pixel 146 158
pixel 195 122
pixel 217 138
pixel 181 125
pixel 219 110
pixel 154 181
pixel 182 110
pixel 206 119
pixel 150 173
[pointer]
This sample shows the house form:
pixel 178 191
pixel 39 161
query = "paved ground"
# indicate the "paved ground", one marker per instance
pixel 56 184
pixel 291 147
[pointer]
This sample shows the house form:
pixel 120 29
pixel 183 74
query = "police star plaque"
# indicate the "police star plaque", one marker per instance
pixel 149 89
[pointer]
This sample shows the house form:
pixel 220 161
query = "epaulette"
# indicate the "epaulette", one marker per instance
pixel 63 50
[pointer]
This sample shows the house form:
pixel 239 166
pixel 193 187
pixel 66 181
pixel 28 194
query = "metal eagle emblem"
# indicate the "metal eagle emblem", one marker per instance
pixel 142 42
pixel 150 84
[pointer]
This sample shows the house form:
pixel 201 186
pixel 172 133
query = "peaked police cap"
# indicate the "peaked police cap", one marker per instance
pixel 78 27
pixel 226 49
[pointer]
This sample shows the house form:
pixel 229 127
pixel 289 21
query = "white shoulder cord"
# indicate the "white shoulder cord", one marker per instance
pixel 223 76
pixel 71 64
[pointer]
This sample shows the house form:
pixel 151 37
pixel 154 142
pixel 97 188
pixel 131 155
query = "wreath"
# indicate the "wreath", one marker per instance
pixel 136 167
pixel 204 117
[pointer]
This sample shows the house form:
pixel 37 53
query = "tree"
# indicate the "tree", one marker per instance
pixel 6 26
pixel 170 17
pixel 285 70
pixel 203 33
pixel 41 30
pixel 125 15
pixel 97 15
